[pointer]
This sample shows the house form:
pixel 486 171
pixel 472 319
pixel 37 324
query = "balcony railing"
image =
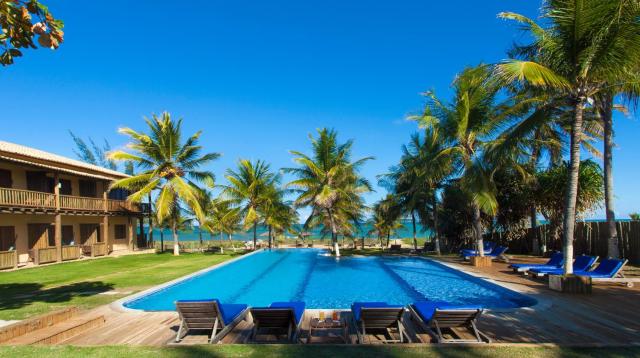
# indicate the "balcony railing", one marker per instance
pixel 38 200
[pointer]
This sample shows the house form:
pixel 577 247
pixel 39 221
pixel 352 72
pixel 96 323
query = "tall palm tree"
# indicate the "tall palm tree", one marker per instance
pixel 585 47
pixel 329 183
pixel 468 122
pixel 249 187
pixel 386 218
pixel 167 165
pixel 277 214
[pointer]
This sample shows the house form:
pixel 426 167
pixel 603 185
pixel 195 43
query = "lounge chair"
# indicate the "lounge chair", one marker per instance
pixel 582 264
pixel 610 270
pixel 209 315
pixel 495 253
pixel 378 315
pixel 488 246
pixel 436 316
pixel 279 316
pixel 555 261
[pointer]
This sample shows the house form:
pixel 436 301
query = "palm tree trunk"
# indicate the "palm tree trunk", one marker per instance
pixel 612 233
pixel 161 240
pixel 388 238
pixel 572 187
pixel 232 245
pixel 435 224
pixel 269 237
pixel 174 230
pixel 535 242
pixel 477 230
pixel 200 235
pixel 334 234
pixel 255 235
pixel 415 238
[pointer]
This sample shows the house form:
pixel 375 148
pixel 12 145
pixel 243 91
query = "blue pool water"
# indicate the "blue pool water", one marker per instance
pixel 323 281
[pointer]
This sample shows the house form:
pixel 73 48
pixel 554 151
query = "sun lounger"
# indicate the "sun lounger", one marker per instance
pixel 610 270
pixel 209 315
pixel 375 316
pixel 279 316
pixel 488 246
pixel 582 264
pixel 496 253
pixel 437 318
pixel 556 261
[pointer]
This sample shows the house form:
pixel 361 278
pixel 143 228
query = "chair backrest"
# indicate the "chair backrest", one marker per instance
pixel 610 267
pixel 381 317
pixel 448 318
pixel 489 245
pixel 396 247
pixel 556 259
pixel 199 314
pixel 583 262
pixel 499 251
pixel 273 317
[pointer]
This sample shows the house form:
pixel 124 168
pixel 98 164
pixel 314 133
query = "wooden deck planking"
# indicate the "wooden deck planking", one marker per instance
pixel 611 315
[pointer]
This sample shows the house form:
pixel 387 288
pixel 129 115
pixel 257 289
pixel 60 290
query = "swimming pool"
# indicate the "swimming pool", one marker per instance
pixel 322 281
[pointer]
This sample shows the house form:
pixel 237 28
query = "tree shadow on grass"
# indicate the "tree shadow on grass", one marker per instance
pixel 18 295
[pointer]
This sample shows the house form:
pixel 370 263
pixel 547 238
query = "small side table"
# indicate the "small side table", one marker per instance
pixel 327 325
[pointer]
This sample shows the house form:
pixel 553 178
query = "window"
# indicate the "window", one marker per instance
pixel 120 232
pixel 88 188
pixel 38 181
pixel 5 178
pixel 7 238
pixel 90 234
pixel 118 194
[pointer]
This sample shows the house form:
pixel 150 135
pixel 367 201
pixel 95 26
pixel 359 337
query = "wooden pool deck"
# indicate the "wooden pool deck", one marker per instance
pixel 609 316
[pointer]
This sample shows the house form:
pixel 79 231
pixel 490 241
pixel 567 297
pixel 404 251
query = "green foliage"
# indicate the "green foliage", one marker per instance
pixel 168 165
pixel 26 24
pixel 552 184
pixel 329 183
pixel 95 154
pixel 634 216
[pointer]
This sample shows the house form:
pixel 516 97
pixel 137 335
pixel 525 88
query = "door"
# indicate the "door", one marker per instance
pixel 7 238
pixel 40 236
pixel 89 234
pixel 38 181
pixel 65 187
pixel 88 188
pixel 5 178
pixel 67 235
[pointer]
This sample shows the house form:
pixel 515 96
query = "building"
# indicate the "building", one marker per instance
pixel 54 208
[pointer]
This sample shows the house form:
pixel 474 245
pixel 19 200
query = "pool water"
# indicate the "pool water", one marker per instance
pixel 322 281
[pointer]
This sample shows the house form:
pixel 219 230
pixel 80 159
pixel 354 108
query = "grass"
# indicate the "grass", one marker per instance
pixel 315 351
pixel 92 283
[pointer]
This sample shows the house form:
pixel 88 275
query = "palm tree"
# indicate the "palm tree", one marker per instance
pixel 386 218
pixel 329 183
pixel 586 48
pixel 248 188
pixel 468 123
pixel 277 214
pixel 223 218
pixel 166 165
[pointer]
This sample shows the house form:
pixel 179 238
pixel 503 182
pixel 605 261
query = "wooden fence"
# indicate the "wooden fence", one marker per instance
pixel 8 259
pixel 590 238
pixel 71 252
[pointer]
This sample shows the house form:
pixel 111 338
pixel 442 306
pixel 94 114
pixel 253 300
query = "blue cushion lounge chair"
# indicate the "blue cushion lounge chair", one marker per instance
pixel 610 270
pixel 489 246
pixel 555 261
pixel 209 315
pixel 279 316
pixel 436 316
pixel 581 264
pixel 495 253
pixel 378 315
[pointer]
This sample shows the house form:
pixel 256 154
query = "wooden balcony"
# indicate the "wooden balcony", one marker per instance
pixel 35 200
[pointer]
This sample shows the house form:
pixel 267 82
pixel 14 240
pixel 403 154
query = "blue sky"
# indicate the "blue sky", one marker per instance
pixel 257 77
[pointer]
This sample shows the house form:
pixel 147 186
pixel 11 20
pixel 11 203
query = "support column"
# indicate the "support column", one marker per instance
pixel 130 228
pixel 58 218
pixel 105 219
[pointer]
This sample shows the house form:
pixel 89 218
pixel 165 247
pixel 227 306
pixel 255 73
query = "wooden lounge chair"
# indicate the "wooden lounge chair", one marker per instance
pixel 555 261
pixel 437 317
pixel 395 248
pixel 376 316
pixel 582 263
pixel 209 315
pixel 279 317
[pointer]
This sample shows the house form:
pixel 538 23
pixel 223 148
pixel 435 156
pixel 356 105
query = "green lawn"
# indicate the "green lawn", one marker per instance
pixel 91 283
pixel 314 351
